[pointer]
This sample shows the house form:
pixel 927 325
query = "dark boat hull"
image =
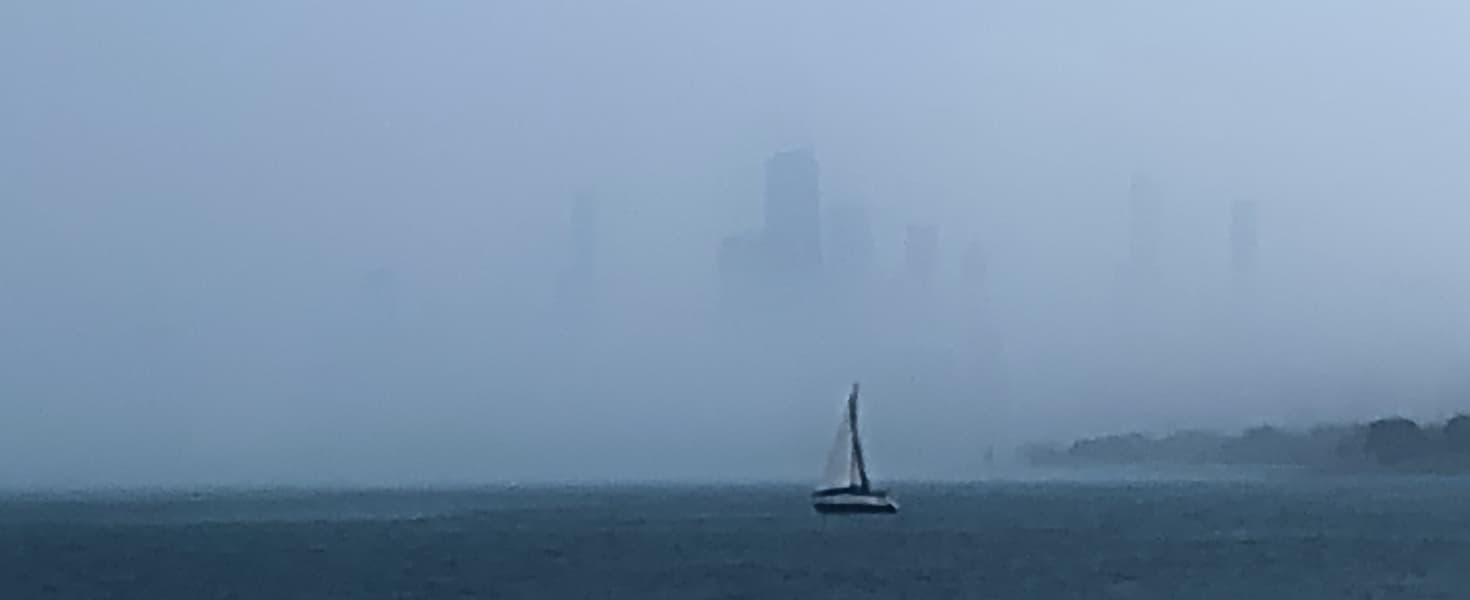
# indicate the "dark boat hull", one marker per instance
pixel 854 509
pixel 853 504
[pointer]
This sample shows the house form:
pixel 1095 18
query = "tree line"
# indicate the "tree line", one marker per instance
pixel 1394 443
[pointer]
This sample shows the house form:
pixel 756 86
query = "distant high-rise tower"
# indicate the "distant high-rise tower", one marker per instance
pixel 793 218
pixel 921 253
pixel 1242 237
pixel 1144 221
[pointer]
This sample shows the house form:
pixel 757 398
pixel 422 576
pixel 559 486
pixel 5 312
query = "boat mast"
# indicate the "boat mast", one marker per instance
pixel 857 445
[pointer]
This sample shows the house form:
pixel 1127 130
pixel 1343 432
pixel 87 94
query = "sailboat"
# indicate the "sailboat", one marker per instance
pixel 846 488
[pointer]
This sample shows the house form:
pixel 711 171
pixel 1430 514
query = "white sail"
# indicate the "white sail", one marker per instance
pixel 842 470
pixel 845 487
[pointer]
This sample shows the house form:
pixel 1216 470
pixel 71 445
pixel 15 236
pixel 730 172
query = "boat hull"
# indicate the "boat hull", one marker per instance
pixel 854 504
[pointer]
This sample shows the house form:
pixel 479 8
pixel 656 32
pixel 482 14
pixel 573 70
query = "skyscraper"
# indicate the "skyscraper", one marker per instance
pixel 793 218
pixel 1242 237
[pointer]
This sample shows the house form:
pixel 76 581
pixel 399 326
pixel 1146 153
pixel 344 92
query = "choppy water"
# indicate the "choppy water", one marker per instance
pixel 1293 540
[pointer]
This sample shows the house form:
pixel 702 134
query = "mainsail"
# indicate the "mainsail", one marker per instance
pixel 845 465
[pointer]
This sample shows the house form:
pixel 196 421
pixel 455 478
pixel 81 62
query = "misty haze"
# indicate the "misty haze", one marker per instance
pixel 377 243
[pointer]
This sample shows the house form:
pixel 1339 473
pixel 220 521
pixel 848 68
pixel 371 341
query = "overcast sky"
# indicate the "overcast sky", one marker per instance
pixel 194 199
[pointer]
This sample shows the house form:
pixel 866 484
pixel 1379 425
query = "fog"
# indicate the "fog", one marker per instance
pixel 385 242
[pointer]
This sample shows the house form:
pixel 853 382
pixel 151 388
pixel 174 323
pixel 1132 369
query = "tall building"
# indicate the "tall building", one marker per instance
pixel 780 266
pixel 1242 238
pixel 793 218
pixel 1145 218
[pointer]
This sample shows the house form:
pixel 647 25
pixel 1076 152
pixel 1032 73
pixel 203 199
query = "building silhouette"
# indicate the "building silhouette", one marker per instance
pixel 793 215
pixel 781 265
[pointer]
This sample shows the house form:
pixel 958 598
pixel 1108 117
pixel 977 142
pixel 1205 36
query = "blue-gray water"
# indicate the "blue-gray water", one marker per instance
pixel 1390 538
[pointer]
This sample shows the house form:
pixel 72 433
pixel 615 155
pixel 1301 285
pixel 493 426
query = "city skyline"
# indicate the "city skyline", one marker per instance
pixel 194 217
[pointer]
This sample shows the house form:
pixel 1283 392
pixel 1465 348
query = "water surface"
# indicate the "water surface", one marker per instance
pixel 1288 539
